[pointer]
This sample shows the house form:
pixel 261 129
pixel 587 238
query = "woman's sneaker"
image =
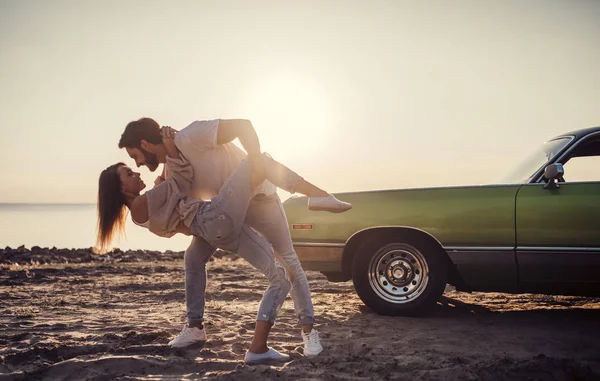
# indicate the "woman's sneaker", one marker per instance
pixel 312 343
pixel 269 356
pixel 188 336
pixel 328 203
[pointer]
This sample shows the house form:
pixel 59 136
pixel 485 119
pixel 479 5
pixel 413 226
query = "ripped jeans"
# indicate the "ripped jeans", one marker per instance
pixel 220 223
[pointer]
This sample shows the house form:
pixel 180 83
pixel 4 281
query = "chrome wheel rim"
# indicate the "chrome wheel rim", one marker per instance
pixel 398 273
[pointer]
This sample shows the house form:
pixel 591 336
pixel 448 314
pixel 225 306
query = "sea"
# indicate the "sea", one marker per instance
pixel 72 226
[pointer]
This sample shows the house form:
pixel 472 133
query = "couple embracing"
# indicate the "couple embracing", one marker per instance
pixel 224 198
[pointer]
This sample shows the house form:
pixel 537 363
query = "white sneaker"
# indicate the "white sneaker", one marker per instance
pixel 268 356
pixel 328 203
pixel 188 336
pixel 312 343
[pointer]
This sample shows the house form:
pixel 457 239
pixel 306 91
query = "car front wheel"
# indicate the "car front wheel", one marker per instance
pixel 395 277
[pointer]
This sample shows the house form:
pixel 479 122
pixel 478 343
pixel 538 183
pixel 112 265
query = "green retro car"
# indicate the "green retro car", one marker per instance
pixel 537 231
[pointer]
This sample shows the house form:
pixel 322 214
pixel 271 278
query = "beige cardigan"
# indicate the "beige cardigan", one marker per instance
pixel 169 203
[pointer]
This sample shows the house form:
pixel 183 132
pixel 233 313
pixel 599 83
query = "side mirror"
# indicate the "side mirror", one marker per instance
pixel 552 174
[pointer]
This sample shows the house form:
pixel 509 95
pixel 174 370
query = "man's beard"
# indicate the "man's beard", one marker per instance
pixel 151 160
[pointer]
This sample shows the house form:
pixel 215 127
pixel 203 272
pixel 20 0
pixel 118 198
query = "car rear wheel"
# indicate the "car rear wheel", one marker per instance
pixel 395 277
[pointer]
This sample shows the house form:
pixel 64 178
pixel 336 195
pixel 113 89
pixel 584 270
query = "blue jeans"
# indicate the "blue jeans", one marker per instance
pixel 230 221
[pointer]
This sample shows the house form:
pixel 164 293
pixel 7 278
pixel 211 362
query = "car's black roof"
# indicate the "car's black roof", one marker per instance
pixel 581 133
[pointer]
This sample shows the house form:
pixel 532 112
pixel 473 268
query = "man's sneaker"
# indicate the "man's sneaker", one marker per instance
pixel 312 343
pixel 328 203
pixel 188 336
pixel 269 356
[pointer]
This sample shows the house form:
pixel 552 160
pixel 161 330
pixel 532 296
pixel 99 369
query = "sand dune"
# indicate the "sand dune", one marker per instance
pixel 111 320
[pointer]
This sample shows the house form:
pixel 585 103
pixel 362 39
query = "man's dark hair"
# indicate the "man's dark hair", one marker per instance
pixel 142 129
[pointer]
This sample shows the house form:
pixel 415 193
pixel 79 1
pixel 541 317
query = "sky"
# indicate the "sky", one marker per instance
pixel 353 95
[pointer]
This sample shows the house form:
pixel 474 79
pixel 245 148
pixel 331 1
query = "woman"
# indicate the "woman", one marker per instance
pixel 166 210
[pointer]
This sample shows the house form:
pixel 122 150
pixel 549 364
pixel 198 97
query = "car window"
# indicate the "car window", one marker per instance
pixel 583 164
pixel 524 171
pixel 582 169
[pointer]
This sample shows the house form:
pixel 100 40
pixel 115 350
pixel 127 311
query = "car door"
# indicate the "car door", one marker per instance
pixel 558 230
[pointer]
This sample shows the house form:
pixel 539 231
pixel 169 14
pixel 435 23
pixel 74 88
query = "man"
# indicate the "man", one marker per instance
pixel 208 146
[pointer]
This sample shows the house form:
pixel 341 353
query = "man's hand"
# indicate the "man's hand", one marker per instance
pixel 162 177
pixel 159 180
pixel 181 228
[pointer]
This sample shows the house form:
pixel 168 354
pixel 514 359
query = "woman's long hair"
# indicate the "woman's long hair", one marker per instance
pixel 112 208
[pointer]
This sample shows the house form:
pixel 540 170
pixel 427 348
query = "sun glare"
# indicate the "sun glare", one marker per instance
pixel 291 112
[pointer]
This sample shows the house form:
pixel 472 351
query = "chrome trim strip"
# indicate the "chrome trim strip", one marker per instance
pixel 540 177
pixel 394 226
pixel 554 248
pixel 521 248
pixel 479 248
pixel 440 187
pixel 318 244
pixel 471 248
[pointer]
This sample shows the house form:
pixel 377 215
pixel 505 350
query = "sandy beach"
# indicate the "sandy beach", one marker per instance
pixel 73 315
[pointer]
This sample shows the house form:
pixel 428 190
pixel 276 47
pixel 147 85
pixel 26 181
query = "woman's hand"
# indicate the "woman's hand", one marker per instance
pixel 168 134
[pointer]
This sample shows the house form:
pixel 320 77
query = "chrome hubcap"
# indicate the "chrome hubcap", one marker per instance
pixel 398 273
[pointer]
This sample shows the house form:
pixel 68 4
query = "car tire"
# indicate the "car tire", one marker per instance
pixel 399 277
